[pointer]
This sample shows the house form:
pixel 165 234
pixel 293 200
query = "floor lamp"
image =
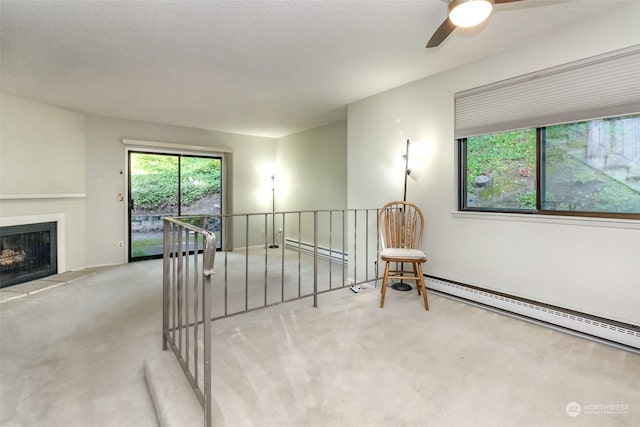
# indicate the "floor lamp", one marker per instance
pixel 402 286
pixel 273 212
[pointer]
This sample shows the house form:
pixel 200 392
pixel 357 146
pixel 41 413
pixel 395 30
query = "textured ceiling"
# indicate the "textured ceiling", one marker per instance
pixel 266 68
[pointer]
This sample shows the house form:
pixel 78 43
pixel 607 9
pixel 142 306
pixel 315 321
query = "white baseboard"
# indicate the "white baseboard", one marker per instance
pixel 324 253
pixel 604 329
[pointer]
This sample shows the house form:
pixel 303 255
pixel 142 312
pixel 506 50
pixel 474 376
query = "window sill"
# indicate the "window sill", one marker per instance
pixel 549 219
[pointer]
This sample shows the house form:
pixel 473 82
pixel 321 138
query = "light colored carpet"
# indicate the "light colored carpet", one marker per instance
pixel 73 356
pixel 350 363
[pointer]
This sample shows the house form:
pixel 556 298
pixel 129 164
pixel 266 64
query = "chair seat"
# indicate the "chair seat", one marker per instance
pixel 390 254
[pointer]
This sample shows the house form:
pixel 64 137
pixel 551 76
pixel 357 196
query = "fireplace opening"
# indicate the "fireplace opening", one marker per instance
pixel 27 252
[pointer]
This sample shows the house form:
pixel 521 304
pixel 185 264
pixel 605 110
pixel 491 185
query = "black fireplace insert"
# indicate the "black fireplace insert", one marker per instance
pixel 27 252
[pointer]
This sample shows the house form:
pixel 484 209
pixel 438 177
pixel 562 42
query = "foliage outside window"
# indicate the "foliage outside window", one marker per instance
pixel 589 168
pixel 154 178
pixel 500 171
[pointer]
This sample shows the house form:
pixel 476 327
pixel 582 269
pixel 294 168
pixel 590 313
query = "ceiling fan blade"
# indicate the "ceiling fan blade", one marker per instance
pixel 441 33
pixel 447 27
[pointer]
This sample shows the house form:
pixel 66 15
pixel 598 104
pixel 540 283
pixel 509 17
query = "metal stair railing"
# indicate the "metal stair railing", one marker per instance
pixel 189 337
pixel 319 240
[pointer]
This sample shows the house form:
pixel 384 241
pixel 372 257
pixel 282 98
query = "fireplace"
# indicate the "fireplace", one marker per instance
pixel 27 252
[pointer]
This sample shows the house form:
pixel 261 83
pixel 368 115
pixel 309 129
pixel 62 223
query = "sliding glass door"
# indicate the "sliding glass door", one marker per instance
pixel 163 185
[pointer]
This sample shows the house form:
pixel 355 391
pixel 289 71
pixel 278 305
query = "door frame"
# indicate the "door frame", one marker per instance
pixel 147 147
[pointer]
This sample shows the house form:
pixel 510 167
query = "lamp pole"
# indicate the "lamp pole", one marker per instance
pixel 407 171
pixel 402 286
pixel 273 212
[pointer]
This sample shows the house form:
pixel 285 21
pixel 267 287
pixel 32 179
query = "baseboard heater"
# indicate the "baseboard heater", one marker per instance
pixel 324 253
pixel 609 331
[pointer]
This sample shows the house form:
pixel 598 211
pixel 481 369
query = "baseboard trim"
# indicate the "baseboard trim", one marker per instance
pixel 608 331
pixel 323 253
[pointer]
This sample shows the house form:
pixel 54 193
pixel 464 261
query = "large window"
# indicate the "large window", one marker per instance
pixel 577 150
pixel 584 168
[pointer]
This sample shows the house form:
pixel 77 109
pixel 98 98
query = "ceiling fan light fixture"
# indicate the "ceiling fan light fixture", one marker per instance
pixel 469 13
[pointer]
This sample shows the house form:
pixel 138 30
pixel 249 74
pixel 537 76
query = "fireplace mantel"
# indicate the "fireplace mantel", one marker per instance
pixel 33 196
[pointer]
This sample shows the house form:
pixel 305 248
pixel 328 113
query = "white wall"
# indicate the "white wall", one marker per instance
pixel 106 216
pixel 42 151
pixel 47 150
pixel 77 162
pixel 312 169
pixel 312 175
pixel 587 265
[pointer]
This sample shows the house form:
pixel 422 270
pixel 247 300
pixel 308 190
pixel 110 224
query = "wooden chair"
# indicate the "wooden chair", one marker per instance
pixel 401 229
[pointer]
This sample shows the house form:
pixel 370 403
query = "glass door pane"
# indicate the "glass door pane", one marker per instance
pixel 153 194
pixel 201 190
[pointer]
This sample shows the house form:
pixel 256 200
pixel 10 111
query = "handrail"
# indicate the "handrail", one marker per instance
pixel 177 303
pixel 188 295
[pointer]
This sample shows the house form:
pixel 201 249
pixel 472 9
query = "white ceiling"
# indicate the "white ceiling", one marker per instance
pixel 266 68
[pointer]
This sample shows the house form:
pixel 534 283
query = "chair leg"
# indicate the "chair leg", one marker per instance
pixel 423 286
pixel 415 273
pixel 385 278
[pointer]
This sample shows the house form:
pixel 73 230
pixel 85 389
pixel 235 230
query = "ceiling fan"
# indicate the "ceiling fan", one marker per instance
pixel 464 14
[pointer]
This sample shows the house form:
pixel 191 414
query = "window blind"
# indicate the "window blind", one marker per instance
pixel 597 87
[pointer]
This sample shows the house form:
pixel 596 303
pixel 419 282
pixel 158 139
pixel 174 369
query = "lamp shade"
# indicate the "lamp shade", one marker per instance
pixel 469 13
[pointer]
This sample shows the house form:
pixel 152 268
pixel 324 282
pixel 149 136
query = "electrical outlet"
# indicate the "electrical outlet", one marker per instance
pixel 120 244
